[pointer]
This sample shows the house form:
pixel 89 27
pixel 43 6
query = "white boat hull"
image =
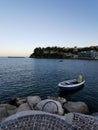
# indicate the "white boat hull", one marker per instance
pixel 71 85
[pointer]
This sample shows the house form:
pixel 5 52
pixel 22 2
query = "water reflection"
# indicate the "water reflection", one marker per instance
pixel 66 94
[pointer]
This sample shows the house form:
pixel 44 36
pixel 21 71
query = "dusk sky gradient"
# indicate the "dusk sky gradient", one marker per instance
pixel 27 24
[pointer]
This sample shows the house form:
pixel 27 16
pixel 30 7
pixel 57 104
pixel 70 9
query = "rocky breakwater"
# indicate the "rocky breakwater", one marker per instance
pixel 74 113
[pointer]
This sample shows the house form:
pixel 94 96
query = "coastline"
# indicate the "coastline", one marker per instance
pixel 64 58
pixel 15 57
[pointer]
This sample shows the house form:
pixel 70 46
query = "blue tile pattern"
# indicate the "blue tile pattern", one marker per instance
pixel 84 122
pixel 40 121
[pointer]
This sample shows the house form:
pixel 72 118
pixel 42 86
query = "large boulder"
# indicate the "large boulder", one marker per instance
pixel 51 106
pixel 3 113
pixel 33 100
pixel 21 100
pixel 60 99
pixel 16 101
pixel 11 109
pixel 8 106
pixel 13 101
pixel 79 107
pixel 23 107
pixel 6 110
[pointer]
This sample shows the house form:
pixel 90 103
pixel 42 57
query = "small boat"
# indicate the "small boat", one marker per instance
pixel 71 84
pixel 60 60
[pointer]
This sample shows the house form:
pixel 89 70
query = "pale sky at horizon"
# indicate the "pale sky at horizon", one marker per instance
pixel 27 24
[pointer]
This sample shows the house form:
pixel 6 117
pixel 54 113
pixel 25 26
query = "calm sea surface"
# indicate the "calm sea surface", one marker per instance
pixel 25 76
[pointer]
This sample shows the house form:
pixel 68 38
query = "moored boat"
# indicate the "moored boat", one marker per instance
pixel 71 84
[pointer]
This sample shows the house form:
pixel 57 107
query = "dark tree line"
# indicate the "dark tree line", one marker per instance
pixel 58 52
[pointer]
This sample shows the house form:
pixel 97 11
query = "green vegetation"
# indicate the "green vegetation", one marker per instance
pixel 58 52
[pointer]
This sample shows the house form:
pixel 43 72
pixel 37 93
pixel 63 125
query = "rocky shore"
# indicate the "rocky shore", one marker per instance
pixel 72 112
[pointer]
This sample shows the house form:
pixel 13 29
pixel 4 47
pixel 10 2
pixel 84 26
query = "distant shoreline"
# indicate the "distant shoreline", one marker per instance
pixel 16 57
pixel 64 58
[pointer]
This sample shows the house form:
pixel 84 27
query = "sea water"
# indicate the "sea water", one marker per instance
pixel 27 76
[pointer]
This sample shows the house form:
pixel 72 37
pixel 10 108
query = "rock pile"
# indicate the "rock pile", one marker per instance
pixel 52 113
pixel 54 105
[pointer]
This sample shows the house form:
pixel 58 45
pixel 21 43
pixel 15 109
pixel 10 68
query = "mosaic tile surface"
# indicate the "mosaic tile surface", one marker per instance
pixel 84 122
pixel 35 121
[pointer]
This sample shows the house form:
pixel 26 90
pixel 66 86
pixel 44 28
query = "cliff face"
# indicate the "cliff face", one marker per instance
pixel 57 52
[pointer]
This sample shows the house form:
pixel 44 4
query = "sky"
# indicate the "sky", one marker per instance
pixel 27 24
